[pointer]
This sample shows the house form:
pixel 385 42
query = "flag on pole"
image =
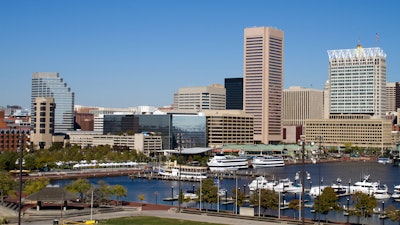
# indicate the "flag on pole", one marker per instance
pixel 376 37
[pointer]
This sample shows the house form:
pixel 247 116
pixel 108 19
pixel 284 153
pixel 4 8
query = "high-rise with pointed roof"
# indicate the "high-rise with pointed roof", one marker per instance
pixel 357 80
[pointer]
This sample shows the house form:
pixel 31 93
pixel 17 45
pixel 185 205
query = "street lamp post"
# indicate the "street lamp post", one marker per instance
pixel 348 210
pixel 21 149
pixel 180 171
pixel 302 180
pixel 172 195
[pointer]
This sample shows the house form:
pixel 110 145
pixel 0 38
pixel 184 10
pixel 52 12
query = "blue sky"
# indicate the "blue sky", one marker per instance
pixel 126 53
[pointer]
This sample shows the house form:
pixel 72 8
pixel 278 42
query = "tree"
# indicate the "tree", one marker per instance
pixel 326 202
pixel 295 205
pixel 7 185
pixel 269 199
pixel 34 185
pixel 240 197
pixel 393 214
pixel 80 186
pixel 119 191
pixel 365 204
pixel 102 192
pixel 208 191
pixel 141 198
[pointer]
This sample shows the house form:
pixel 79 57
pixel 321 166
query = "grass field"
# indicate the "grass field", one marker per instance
pixel 148 220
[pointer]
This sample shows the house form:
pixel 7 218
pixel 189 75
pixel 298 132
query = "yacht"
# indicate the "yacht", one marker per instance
pixel 262 161
pixel 222 162
pixel 396 193
pixel 364 186
pixel 262 183
pixel 381 192
pixel 286 185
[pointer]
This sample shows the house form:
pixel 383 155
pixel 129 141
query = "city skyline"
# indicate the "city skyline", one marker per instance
pixel 134 53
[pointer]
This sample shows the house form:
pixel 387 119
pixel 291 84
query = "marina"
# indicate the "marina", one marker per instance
pixel 156 190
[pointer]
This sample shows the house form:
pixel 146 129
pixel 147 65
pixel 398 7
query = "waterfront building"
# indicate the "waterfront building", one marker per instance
pixel 12 130
pixel 327 104
pixel 43 122
pixel 263 81
pixel 300 104
pixel 200 98
pixel 147 143
pixel 234 93
pixel 228 127
pixel 357 130
pixel 392 96
pixel 51 85
pixel 357 80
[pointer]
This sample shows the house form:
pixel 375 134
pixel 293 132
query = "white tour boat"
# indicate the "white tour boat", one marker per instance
pixel 222 162
pixel 262 161
pixel 183 172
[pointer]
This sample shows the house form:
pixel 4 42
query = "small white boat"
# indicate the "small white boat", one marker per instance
pixel 384 160
pixel 396 193
pixel 261 183
pixel 381 192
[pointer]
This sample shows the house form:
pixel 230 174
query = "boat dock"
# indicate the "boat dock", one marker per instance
pixel 151 175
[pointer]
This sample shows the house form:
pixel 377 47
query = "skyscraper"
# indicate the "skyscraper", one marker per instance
pixel 234 93
pixel 263 81
pixel 300 104
pixel 43 124
pixel 46 84
pixel 393 96
pixel 200 98
pixel 357 80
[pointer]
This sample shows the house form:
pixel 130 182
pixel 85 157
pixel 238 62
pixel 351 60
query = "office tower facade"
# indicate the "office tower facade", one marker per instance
pixel 200 98
pixel 43 122
pixel 358 81
pixel 300 104
pixel 51 85
pixel 234 93
pixel 263 81
pixel 392 96
pixel 327 104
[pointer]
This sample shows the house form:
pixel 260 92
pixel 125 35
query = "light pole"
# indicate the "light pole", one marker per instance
pixel 319 177
pixel 172 195
pixel 201 190
pixel 302 180
pixel 348 212
pixel 156 194
pixel 180 171
pixel 21 149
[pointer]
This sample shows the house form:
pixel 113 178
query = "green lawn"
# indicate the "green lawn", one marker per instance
pixel 149 220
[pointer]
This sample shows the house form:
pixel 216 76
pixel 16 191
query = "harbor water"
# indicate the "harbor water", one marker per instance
pixel 156 191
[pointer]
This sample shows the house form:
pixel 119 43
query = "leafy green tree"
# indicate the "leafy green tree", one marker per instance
pixel 34 185
pixel 119 191
pixel 365 204
pixel 208 191
pixel 7 160
pixel 393 214
pixel 326 202
pixel 80 186
pixel 7 185
pixel 240 197
pixel 141 198
pixel 295 205
pixel 102 192
pixel 269 199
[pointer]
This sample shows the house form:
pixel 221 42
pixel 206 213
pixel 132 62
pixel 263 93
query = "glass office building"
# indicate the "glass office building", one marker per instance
pixel 46 84
pixel 175 130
